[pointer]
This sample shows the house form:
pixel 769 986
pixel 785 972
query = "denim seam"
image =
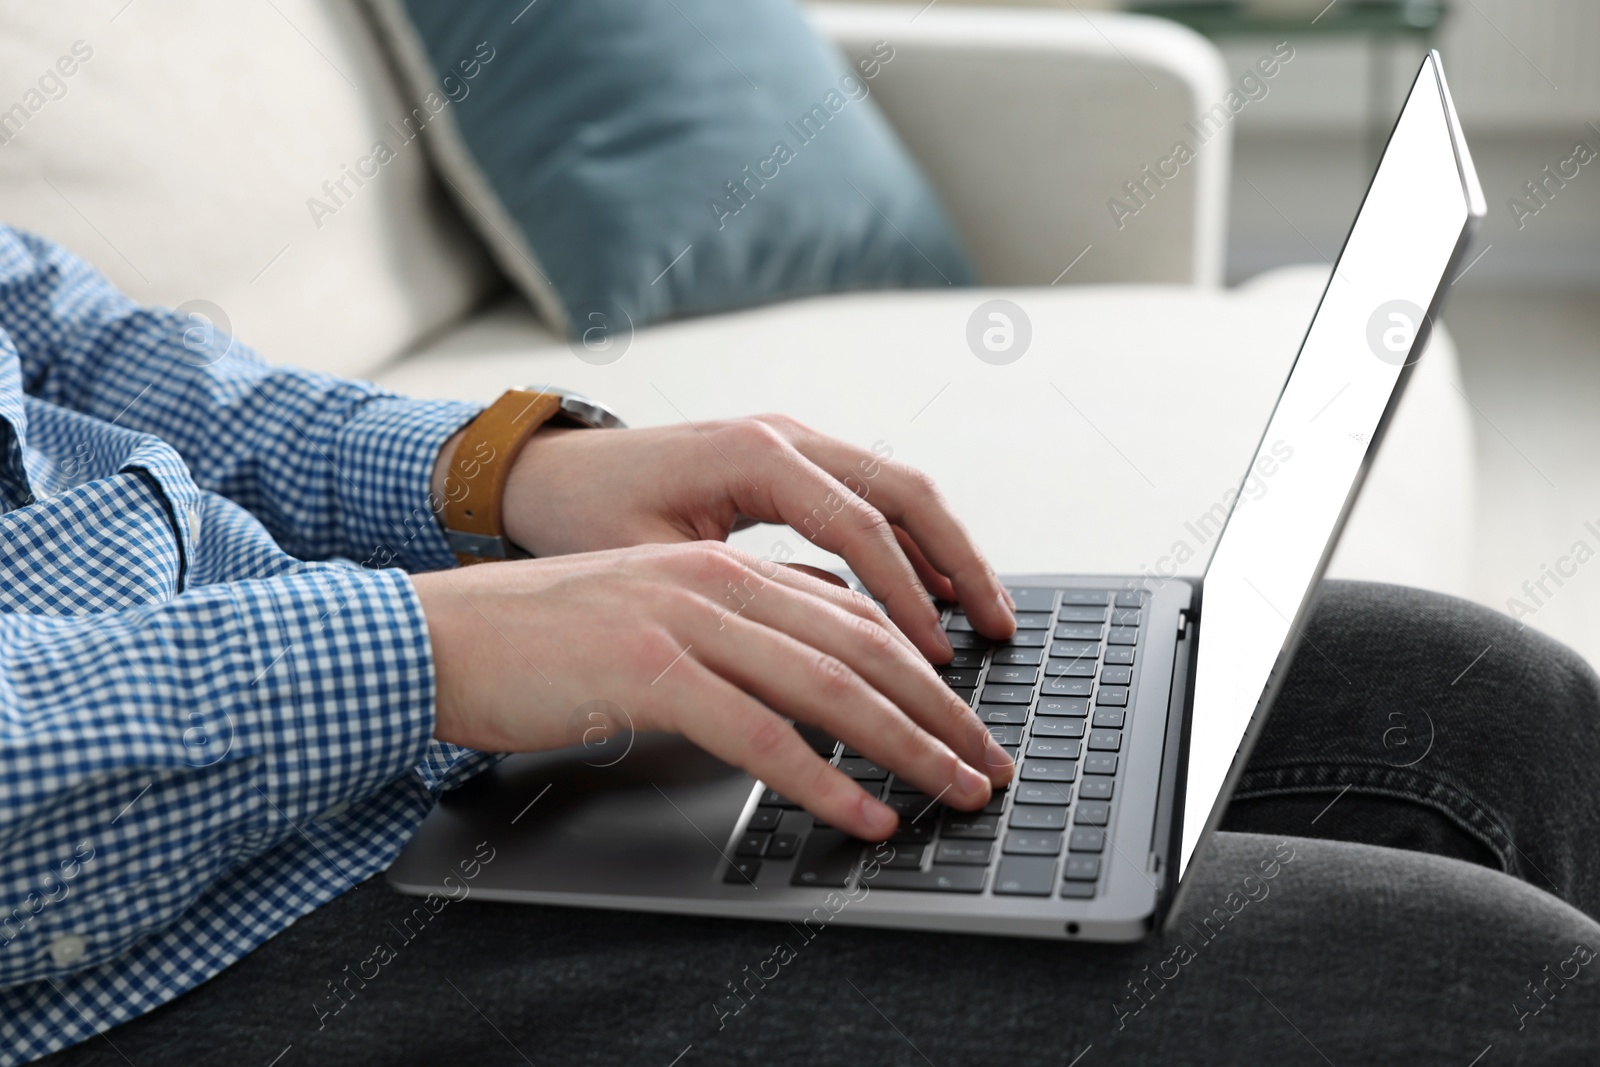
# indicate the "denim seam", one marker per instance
pixel 1447 799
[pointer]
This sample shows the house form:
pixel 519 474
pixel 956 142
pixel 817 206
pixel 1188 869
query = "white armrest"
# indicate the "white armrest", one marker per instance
pixel 1029 122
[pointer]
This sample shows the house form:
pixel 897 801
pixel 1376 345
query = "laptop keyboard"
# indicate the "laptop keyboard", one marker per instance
pixel 1056 696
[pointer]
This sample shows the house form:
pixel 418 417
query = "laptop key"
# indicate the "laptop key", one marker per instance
pixel 771 798
pixel 1112 675
pixel 1010 694
pixel 1081 631
pixel 906 856
pixel 1025 876
pixel 964 853
pixel 959 623
pixel 764 819
pixel 1005 674
pixel 963 678
pixel 1043 793
pixel 1128 598
pixel 959 826
pixel 1081 614
pixel 1105 740
pixel 1033 598
pixel 1110 718
pixel 1033 620
pixel 1096 788
pixel 1071 668
pixel 1092 813
pixel 1085 596
pixel 1115 695
pixel 1038 817
pixel 934 880
pixel 965 659
pixel 1122 635
pixel 820 742
pixel 1124 616
pixel 1086 839
pixel 1100 764
pixel 1006 734
pixel 742 872
pixel 1056 728
pixel 918 832
pixel 1021 657
pixel 752 844
pixel 1082 868
pixel 1076 707
pixel 1028 639
pixel 783 846
pixel 963 695
pixel 1074 649
pixel 961 639
pixel 1077 890
pixel 863 770
pixel 1030 843
pixel 1053 748
pixel 1048 770
pixel 826 859
pixel 1122 654
pixel 909 806
pixel 1067 687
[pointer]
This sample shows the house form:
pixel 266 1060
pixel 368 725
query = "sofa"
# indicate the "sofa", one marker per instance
pixel 179 155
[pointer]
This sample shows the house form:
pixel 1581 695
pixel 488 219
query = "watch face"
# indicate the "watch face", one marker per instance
pixel 586 412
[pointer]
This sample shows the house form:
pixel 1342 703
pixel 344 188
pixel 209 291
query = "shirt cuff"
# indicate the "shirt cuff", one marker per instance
pixel 386 455
pixel 342 682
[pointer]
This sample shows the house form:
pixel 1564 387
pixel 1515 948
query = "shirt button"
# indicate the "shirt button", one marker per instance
pixel 194 524
pixel 67 949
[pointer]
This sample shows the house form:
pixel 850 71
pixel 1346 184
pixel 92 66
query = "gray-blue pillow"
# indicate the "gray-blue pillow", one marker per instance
pixel 635 160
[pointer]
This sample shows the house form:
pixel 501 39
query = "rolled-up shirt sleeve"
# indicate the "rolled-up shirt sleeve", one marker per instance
pixel 145 753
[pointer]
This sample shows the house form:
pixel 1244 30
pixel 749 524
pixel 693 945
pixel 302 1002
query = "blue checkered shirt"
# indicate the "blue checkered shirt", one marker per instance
pixel 213 717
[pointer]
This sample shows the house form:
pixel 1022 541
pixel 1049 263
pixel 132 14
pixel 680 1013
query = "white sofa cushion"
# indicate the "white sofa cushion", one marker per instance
pixel 181 154
pixel 1134 410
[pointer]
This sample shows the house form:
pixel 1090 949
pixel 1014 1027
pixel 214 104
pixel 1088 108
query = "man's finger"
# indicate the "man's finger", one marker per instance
pixel 734 727
pixel 798 492
pixel 807 684
pixel 910 501
pixel 890 667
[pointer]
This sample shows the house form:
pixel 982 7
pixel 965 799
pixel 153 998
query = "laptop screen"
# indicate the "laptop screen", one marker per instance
pixel 1369 327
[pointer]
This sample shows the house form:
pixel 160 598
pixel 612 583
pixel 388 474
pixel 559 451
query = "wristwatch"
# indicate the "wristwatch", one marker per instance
pixel 476 482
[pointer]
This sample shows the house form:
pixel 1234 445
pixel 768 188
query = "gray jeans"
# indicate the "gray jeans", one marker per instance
pixel 1406 877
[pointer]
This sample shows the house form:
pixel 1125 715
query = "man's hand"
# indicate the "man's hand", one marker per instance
pixel 583 490
pixel 518 645
pixel 599 616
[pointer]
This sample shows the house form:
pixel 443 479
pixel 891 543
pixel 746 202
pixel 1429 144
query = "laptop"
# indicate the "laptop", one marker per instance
pixel 1131 703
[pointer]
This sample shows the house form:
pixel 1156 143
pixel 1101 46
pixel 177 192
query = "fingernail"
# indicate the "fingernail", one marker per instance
pixel 998 760
pixel 880 818
pixel 942 640
pixel 1007 608
pixel 969 783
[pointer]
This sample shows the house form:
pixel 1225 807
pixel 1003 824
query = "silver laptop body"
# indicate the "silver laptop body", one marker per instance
pixel 1146 695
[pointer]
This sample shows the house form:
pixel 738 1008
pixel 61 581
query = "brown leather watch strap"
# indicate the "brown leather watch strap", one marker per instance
pixel 476 483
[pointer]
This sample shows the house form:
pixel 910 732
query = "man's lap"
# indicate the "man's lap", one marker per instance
pixel 1350 950
pixel 1359 953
